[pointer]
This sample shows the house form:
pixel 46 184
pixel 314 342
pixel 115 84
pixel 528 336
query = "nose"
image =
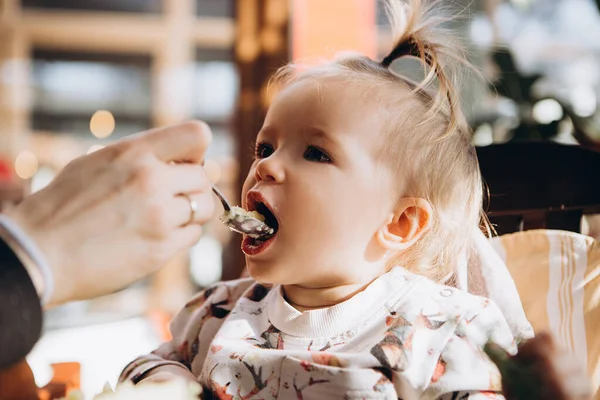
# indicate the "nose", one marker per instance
pixel 270 169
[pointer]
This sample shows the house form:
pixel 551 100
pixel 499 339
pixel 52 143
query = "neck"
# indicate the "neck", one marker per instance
pixel 304 298
pixel 335 288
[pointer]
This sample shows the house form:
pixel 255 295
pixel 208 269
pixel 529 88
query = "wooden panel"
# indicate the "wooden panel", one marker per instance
pixel 507 224
pixel 533 176
pixel 548 185
pixel 214 32
pixel 564 220
pixel 261 47
pixel 14 92
pixel 171 95
pixel 111 32
pixel 534 220
pixel 117 32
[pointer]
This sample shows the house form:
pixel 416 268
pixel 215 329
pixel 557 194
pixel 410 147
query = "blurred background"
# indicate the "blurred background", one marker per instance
pixel 76 75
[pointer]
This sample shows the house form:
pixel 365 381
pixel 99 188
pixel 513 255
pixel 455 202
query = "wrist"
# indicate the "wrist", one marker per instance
pixel 30 256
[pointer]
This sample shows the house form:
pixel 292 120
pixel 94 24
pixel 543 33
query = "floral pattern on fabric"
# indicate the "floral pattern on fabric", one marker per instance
pixel 421 341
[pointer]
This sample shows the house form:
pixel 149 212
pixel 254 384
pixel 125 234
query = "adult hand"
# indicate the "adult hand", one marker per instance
pixel 114 216
pixel 541 370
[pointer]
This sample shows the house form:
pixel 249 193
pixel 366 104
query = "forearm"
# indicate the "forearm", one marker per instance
pixel 20 309
pixel 30 257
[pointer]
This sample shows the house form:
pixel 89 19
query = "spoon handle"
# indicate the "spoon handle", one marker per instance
pixel 224 201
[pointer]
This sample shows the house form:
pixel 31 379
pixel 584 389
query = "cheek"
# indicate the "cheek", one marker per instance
pixel 362 209
pixel 331 214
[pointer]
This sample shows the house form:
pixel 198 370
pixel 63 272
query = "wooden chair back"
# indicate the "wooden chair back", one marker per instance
pixel 540 185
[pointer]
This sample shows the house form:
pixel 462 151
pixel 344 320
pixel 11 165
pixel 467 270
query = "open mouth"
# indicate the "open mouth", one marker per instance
pixel 253 246
pixel 270 218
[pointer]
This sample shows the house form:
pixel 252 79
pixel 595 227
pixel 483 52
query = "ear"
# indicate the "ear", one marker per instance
pixel 409 221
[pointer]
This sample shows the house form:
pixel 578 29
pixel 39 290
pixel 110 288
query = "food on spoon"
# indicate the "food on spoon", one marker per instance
pixel 238 213
pixel 252 223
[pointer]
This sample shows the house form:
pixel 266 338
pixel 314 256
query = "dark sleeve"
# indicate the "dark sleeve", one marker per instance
pixel 20 309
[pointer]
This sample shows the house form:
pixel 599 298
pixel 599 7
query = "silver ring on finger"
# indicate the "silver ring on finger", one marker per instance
pixel 193 208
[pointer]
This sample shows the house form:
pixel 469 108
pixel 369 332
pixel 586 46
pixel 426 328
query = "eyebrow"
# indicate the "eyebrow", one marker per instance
pixel 321 134
pixel 312 131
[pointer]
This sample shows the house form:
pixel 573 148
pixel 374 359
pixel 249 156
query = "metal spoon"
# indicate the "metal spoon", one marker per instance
pixel 236 219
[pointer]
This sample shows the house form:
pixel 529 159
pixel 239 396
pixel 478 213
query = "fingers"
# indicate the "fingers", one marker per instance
pixel 184 142
pixel 189 180
pixel 180 209
pixel 186 178
pixel 185 237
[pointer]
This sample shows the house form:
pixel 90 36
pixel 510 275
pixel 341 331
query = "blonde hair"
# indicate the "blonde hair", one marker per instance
pixel 427 138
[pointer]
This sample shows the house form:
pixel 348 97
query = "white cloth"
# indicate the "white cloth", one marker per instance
pixel 485 274
pixel 404 336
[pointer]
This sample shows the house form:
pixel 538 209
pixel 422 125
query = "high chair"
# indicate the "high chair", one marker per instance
pixel 540 185
pixel 538 195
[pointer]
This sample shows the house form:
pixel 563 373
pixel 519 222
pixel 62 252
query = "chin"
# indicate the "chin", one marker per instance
pixel 260 272
pixel 267 273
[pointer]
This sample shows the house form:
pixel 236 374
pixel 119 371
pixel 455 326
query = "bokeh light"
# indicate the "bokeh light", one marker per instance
pixel 26 164
pixel 547 110
pixel 102 124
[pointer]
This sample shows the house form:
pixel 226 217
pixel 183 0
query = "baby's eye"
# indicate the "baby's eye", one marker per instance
pixel 263 150
pixel 313 153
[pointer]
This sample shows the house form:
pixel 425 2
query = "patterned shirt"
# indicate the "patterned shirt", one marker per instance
pixel 403 337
